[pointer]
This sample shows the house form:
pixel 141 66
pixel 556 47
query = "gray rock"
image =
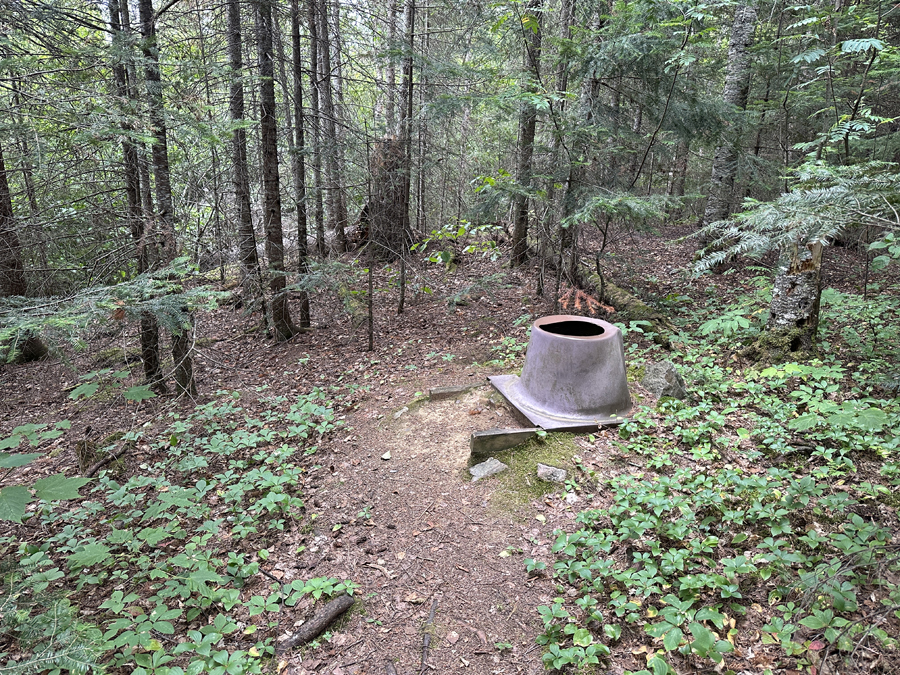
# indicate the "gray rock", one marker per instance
pixel 551 474
pixel 661 379
pixel 487 468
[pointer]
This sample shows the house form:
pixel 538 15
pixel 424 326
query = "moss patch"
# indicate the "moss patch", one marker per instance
pixel 519 485
pixel 777 346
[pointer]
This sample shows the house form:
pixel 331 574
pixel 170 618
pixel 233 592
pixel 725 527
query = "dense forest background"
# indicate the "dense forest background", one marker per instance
pixel 275 135
pixel 244 246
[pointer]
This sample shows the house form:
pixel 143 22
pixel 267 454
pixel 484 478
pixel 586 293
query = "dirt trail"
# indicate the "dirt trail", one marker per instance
pixel 432 536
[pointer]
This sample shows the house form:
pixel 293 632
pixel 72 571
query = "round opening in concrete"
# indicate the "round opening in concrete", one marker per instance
pixel 582 329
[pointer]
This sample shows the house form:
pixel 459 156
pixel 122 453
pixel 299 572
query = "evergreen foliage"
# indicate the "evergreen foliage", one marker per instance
pixel 826 203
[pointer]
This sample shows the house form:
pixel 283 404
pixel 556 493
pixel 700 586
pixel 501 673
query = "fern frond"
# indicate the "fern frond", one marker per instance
pixel 826 202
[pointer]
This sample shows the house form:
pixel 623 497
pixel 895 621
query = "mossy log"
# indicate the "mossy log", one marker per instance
pixel 628 307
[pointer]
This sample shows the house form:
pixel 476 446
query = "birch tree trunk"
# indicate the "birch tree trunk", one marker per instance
pixel 794 310
pixel 737 89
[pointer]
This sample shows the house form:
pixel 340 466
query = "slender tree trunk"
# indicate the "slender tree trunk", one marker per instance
pixel 337 207
pixel 531 50
pixel 281 318
pixel 181 337
pixel 737 89
pixel 422 131
pixel 12 270
pixel 251 275
pixel 316 123
pixel 390 76
pixel 297 160
pixel 149 328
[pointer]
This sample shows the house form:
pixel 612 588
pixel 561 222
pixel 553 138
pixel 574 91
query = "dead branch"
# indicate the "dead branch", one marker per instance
pixel 426 640
pixel 111 457
pixel 310 630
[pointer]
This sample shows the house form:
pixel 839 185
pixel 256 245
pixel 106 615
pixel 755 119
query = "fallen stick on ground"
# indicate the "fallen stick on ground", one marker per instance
pixel 318 623
pixel 113 456
pixel 426 640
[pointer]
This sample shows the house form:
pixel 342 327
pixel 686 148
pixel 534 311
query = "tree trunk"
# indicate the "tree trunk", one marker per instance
pixel 149 328
pixel 29 347
pixel 181 336
pixel 531 50
pixel 794 310
pixel 389 200
pixel 281 317
pixel 737 90
pixel 297 161
pixel 316 123
pixel 251 275
pixel 12 270
pixel 337 209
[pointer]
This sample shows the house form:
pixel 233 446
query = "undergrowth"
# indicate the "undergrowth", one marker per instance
pixel 175 552
pixel 764 517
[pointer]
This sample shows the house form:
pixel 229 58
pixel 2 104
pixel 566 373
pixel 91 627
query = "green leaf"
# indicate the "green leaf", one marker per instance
pixel 861 45
pixel 704 640
pixel 738 538
pixel 8 461
pixel 709 614
pixel 13 500
pixel 10 442
pixel 582 637
pixel 659 665
pixel 804 422
pixel 672 639
pixel 530 22
pixel 89 555
pixel 206 575
pixel 813 622
pixel 871 419
pixel 59 487
pixel 152 535
pixel 880 262
pixel 87 389
pixel 139 393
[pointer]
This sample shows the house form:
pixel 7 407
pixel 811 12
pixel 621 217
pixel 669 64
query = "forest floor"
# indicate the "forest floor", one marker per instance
pixel 388 499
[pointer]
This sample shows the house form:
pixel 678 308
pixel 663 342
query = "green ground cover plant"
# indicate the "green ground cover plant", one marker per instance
pixel 767 499
pixel 174 550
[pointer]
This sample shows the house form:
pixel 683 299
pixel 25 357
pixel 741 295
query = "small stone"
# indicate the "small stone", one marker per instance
pixel 661 379
pixel 386 455
pixel 488 468
pixel 400 412
pixel 551 474
pixel 572 498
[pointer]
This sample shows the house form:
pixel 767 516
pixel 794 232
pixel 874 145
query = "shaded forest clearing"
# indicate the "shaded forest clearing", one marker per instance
pixel 750 528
